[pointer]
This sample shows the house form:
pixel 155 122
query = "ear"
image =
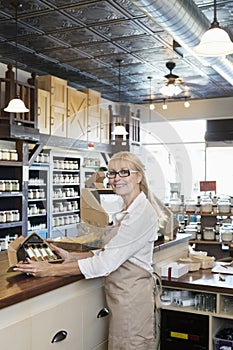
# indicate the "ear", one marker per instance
pixel 139 178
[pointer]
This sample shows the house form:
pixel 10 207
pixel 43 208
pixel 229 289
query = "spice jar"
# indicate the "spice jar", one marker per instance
pixel 5 154
pixel 13 155
pixel 209 234
pixel 206 205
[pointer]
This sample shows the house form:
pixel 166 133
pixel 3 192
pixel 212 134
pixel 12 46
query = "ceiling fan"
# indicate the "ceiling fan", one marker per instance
pixel 171 88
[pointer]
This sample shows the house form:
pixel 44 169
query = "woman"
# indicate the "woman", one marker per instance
pixel 125 260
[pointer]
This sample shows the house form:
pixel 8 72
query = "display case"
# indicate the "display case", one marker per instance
pixel 65 192
pixel 38 196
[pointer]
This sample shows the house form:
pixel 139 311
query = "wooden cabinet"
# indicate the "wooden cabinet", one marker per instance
pixel 215 308
pixel 58 121
pixel 76 114
pixel 32 324
pixel 93 115
pixel 44 111
pixel 57 89
pixel 104 125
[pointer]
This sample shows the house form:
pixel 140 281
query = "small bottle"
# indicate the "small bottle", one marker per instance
pixel 30 252
pixel 37 253
pixel 43 252
pixel 49 251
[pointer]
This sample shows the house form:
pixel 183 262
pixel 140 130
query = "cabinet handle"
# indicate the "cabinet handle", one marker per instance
pixel 103 312
pixel 59 336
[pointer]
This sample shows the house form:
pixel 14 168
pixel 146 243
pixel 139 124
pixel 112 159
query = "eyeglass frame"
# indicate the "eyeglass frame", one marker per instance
pixel 118 173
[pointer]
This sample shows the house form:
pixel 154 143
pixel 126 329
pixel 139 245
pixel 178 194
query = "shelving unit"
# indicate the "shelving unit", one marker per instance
pixel 13 206
pixel 38 198
pixel 211 310
pixel 65 206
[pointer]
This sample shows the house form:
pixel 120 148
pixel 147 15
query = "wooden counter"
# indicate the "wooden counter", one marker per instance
pixel 16 287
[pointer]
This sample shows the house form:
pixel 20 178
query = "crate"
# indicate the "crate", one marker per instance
pixel 223 344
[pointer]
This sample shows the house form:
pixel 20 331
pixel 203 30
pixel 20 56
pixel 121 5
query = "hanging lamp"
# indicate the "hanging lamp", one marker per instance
pixel 119 130
pixel 215 41
pixel 16 105
pixel 152 106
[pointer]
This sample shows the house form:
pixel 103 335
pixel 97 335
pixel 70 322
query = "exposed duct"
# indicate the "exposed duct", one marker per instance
pixel 185 22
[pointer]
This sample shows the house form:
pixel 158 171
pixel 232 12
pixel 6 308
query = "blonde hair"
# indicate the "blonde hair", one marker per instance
pixel 133 162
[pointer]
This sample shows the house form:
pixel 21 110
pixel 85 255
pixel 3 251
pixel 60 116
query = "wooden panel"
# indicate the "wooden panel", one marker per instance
pixel 93 129
pixel 93 102
pixel 104 125
pixel 58 121
pixel 44 111
pixel 76 114
pixel 57 88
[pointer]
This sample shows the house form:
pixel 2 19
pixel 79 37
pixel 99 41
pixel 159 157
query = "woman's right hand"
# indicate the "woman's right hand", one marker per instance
pixel 62 253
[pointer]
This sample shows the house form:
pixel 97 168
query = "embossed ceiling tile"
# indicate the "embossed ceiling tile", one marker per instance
pixel 62 3
pixel 126 58
pixel 119 30
pixel 128 6
pixel 95 13
pixel 7 30
pixel 100 49
pixel 28 6
pixel 51 22
pixel 151 25
pixel 75 37
pixel 139 42
pixel 41 42
pixel 162 54
pixel 65 54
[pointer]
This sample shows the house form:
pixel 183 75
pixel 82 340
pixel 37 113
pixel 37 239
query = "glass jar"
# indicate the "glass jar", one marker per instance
pixel 206 205
pixel 8 185
pixel 5 154
pixel 9 216
pixel 175 204
pixel 2 186
pixel 226 233
pixel 190 206
pixel 13 155
pixel 2 217
pixel 224 205
pixel 209 234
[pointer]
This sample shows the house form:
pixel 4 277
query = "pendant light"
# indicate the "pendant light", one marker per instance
pixel 16 105
pixel 170 89
pixel 119 130
pixel 215 41
pixel 152 106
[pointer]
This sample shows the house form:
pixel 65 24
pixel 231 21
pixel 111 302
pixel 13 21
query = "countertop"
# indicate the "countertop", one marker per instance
pixel 16 287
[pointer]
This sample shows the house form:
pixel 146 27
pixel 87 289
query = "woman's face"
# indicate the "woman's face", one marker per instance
pixel 125 186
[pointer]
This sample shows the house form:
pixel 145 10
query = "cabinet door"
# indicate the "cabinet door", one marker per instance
pixel 93 103
pixel 93 129
pixel 76 114
pixel 93 302
pixel 17 335
pixel 104 125
pixel 58 121
pixel 57 88
pixel 44 111
pixel 67 317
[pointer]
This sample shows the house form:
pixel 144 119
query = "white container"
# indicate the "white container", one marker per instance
pixel 177 270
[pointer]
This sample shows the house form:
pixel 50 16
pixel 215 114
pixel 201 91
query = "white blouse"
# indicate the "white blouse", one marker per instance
pixel 133 241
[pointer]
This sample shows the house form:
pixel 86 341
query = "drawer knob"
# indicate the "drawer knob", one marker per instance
pixel 103 312
pixel 59 336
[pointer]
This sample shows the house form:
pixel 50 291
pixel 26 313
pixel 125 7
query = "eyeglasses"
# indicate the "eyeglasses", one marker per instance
pixel 122 173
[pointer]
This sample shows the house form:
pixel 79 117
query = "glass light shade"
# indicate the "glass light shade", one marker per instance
pixel 186 104
pixel 170 90
pixel 16 105
pixel 214 42
pixel 164 106
pixel 152 106
pixel 119 130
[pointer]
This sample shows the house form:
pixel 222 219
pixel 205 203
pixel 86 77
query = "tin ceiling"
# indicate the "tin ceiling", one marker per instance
pixel 80 41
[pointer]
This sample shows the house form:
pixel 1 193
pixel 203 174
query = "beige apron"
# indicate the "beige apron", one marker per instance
pixel 129 295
